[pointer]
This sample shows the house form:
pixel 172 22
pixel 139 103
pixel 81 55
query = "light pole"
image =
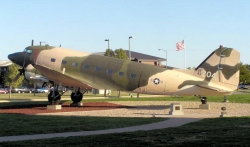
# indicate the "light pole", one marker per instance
pixel 108 42
pixel 105 91
pixel 166 56
pixel 129 46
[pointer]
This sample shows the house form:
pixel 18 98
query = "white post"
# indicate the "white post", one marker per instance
pixel 185 54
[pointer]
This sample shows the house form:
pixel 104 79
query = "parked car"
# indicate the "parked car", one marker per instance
pixel 43 90
pixel 59 89
pixel 3 91
pixel 243 86
pixel 21 90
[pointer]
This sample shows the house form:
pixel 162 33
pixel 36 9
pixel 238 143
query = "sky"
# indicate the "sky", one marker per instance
pixel 154 24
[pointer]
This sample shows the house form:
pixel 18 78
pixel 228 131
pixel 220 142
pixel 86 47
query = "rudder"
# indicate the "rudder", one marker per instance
pixel 222 65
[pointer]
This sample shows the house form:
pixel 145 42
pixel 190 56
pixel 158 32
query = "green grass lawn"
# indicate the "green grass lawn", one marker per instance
pixel 236 98
pixel 205 133
pixel 18 96
pixel 17 124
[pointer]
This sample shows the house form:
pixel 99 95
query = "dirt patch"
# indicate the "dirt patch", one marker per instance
pixel 42 108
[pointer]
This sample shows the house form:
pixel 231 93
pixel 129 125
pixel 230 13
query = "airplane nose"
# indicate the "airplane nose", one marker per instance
pixel 20 58
pixel 11 57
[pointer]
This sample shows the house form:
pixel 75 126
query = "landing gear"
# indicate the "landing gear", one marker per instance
pixel 77 96
pixel 54 97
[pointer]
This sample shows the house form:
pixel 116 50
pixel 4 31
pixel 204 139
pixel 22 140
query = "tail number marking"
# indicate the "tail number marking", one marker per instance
pixel 209 74
pixel 204 73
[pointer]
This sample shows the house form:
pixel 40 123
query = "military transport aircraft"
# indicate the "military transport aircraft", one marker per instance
pixel 218 74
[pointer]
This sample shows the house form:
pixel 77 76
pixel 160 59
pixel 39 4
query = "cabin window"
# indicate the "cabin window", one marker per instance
pixel 132 76
pixel 64 62
pixel 86 66
pixel 121 73
pixel 97 68
pixel 74 64
pixel 109 71
pixel 53 60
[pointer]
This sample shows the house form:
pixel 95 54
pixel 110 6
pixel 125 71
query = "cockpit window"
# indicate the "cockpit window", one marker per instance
pixel 27 50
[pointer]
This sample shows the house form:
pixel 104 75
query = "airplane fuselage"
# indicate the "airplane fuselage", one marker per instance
pixel 218 74
pixel 101 72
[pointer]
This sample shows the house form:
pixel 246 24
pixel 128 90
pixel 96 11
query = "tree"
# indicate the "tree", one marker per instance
pixel 244 73
pixel 10 75
pixel 121 54
pixel 118 53
pixel 191 68
pixel 109 53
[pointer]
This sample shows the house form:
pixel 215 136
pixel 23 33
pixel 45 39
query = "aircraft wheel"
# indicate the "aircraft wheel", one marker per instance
pixel 76 97
pixel 56 99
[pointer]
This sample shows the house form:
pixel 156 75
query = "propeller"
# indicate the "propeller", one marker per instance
pixel 22 70
pixel 16 78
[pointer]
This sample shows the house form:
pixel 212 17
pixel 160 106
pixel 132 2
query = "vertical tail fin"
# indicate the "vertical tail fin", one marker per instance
pixel 222 66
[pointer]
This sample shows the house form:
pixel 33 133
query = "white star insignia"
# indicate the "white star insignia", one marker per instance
pixel 156 81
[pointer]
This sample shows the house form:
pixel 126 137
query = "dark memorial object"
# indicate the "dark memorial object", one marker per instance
pixel 203 100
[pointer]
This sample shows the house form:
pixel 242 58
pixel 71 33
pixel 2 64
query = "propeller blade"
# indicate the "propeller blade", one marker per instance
pixel 16 78
pixel 24 60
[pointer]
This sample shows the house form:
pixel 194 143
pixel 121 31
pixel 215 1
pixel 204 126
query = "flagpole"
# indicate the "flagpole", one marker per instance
pixel 185 48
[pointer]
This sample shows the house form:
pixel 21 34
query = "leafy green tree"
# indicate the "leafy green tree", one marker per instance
pixel 118 53
pixel 109 52
pixel 244 73
pixel 121 54
pixel 191 68
pixel 11 77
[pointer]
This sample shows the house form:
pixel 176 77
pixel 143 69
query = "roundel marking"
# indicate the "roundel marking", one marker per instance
pixel 157 81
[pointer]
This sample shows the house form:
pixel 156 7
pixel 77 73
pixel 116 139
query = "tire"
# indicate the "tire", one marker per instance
pixel 50 97
pixel 76 98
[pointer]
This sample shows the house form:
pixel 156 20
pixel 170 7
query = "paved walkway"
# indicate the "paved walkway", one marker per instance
pixel 172 122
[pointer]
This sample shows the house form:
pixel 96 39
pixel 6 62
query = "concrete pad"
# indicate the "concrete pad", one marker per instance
pixel 204 106
pixel 176 109
pixel 54 107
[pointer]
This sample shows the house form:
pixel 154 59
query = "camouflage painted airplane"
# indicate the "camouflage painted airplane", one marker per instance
pixel 218 74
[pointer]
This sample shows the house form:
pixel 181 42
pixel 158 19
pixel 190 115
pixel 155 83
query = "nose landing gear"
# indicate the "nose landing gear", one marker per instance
pixel 54 97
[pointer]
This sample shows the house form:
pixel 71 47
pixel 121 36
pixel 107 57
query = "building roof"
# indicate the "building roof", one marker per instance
pixel 143 57
pixel 5 63
pixel 139 56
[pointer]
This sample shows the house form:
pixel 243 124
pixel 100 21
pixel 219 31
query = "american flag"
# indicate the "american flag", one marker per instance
pixel 180 45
